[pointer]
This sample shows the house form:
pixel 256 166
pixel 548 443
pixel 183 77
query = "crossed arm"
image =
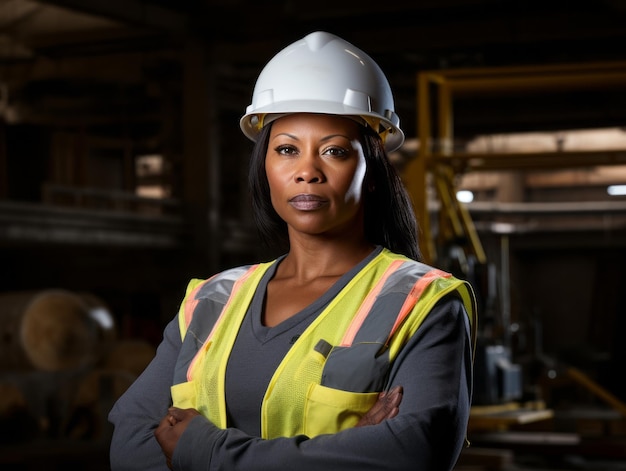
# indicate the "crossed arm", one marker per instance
pixel 419 426
pixel 173 425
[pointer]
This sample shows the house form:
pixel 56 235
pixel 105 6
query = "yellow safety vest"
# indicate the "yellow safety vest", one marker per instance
pixel 333 373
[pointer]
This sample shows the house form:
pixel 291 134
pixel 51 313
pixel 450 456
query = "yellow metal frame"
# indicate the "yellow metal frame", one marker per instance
pixel 436 160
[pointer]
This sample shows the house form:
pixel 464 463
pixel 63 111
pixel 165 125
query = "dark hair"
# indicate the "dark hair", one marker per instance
pixel 389 214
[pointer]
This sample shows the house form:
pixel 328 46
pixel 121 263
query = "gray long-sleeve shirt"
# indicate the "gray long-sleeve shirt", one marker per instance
pixel 427 435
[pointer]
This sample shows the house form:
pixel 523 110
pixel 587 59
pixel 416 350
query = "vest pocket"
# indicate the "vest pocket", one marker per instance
pixel 330 410
pixel 184 395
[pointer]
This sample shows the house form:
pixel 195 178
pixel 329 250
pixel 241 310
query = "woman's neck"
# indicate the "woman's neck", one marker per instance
pixel 311 260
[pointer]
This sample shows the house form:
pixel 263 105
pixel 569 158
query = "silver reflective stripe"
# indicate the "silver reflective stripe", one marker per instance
pixel 210 298
pixel 362 363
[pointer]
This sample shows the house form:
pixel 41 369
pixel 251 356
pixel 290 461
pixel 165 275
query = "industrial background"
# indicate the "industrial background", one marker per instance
pixel 123 175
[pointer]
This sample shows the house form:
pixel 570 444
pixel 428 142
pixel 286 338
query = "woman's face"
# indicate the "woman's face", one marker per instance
pixel 316 170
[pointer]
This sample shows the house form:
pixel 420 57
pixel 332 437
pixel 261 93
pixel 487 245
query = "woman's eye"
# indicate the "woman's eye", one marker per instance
pixel 285 150
pixel 336 151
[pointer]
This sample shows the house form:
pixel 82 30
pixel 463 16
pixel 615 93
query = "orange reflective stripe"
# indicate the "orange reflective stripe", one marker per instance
pixel 366 306
pixel 190 306
pixel 207 341
pixel 414 295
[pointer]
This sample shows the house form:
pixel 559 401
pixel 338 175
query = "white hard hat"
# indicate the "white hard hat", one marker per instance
pixel 322 73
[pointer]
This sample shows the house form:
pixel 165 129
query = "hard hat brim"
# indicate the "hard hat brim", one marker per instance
pixel 252 122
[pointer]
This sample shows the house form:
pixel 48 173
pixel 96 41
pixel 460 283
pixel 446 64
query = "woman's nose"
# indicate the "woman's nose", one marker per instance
pixel 308 170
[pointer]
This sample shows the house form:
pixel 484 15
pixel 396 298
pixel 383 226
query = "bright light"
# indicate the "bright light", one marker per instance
pixel 616 190
pixel 465 196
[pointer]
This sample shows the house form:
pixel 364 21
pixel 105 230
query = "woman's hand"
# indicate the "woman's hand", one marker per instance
pixel 171 428
pixel 176 421
pixel 386 407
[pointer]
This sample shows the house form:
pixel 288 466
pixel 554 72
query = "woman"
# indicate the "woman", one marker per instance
pixel 344 353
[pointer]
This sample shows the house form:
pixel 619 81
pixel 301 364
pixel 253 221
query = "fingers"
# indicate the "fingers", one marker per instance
pixel 390 402
pixel 181 414
pixel 176 414
pixel 171 428
pixel 393 399
pixel 386 407
pixel 164 423
pixel 162 428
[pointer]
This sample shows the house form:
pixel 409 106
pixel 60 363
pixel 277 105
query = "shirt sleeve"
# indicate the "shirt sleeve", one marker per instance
pixel 435 370
pixel 139 410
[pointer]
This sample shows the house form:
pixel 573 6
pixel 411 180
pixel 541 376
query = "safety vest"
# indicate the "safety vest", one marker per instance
pixel 333 373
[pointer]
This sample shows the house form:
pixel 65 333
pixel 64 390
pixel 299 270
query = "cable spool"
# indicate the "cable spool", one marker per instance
pixel 53 330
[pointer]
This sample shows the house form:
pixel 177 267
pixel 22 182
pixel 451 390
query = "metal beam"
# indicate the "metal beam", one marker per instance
pixel 464 162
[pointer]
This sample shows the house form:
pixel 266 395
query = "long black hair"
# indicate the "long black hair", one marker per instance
pixel 389 215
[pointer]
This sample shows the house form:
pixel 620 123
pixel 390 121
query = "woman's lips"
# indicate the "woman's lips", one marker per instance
pixel 307 202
